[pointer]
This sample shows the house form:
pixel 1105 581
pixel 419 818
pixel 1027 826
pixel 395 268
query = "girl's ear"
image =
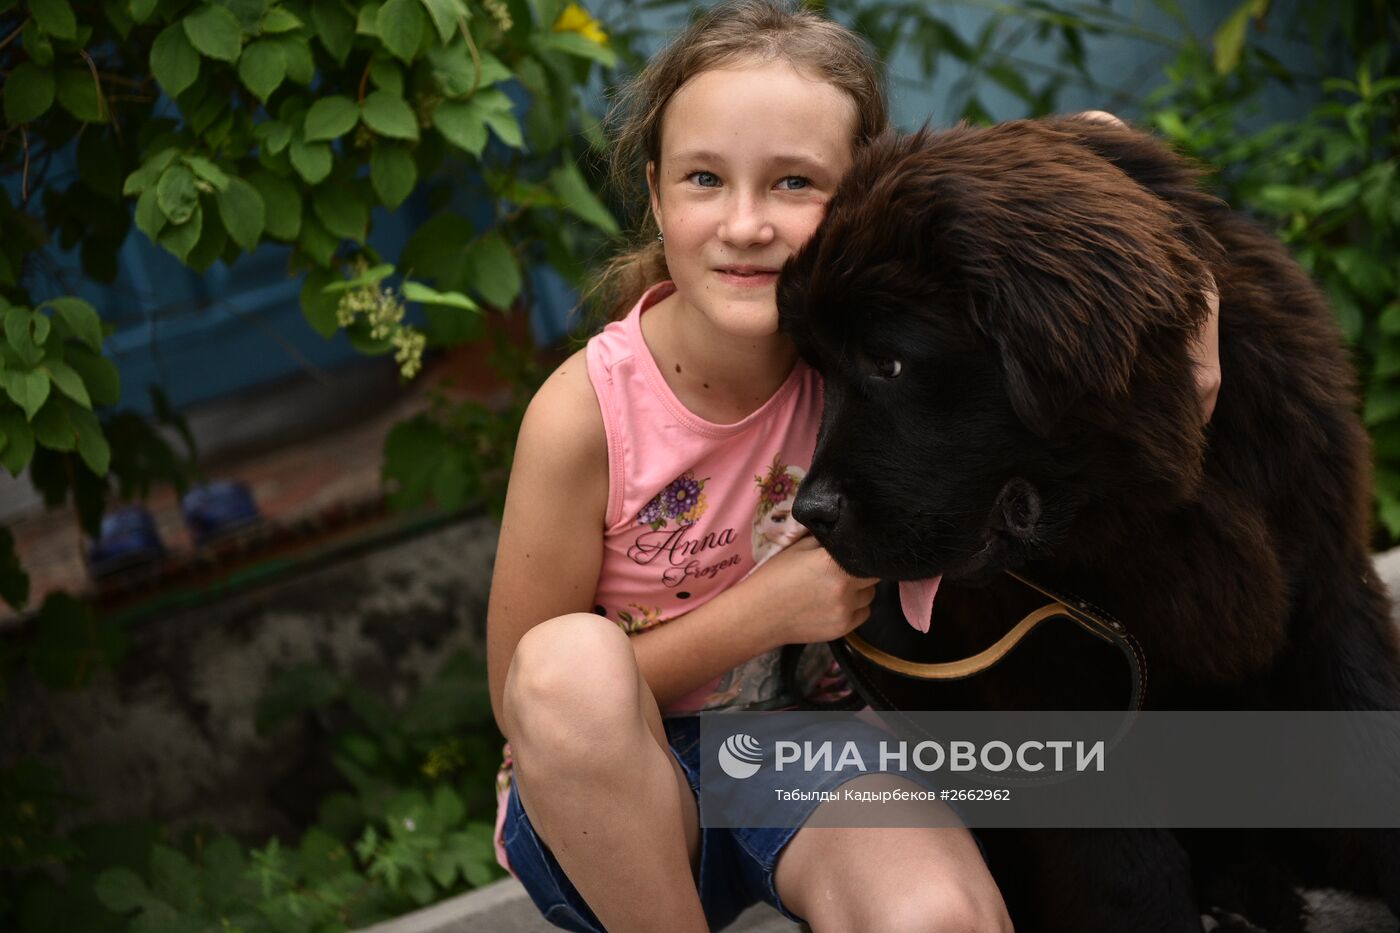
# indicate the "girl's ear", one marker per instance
pixel 651 193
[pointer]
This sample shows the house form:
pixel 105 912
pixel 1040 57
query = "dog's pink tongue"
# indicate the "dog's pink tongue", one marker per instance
pixel 916 599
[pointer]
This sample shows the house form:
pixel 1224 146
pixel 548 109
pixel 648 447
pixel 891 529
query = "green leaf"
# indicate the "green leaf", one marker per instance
pixel 26 332
pixel 311 160
pixel 27 388
pixel 141 10
pixel 215 32
pixel 29 92
pixel 173 878
pixel 445 15
pixel 212 242
pixel 280 20
pixel 317 305
pixel 462 123
pixel 282 204
pixel 491 270
pixel 386 75
pixel 77 92
pixel 1229 38
pixel 341 210
pixel 449 326
pixel 568 182
pixel 331 118
pixel 121 890
pixel 208 171
pixel 301 67
pixel 92 443
pixel 262 68
pixel 55 17
pixel 81 319
pixel 174 62
pixel 176 193
pixel 389 115
pixel 19 441
pixel 370 276
pixel 242 211
pixel 149 173
pixel 1389 321
pixel 150 219
pixel 335 27
pixel 315 241
pixel 400 25
pixel 52 428
pixel 274 134
pixel 98 373
pixel 179 239
pixel 506 127
pixel 417 291
pixel 571 43
pixel 14 582
pixel 393 173
pixel 455 71
pixel 293 693
pixel 1382 403
pixel 68 382
pixel 37 44
pixel 1371 277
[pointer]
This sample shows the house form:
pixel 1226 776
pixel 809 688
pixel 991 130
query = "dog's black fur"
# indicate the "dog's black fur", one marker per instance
pixel 1037 285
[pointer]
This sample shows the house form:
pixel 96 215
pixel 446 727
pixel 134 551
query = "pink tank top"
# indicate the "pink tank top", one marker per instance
pixel 693 506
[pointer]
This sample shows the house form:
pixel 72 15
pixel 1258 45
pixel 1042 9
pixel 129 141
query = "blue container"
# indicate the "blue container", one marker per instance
pixel 128 539
pixel 217 509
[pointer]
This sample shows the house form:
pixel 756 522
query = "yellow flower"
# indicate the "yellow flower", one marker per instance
pixel 576 19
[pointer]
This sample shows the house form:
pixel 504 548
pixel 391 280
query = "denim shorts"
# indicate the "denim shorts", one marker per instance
pixel 736 865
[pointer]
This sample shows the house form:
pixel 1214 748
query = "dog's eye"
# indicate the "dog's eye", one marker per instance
pixel 887 369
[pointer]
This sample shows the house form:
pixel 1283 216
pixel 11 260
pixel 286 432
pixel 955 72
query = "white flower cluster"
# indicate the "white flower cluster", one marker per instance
pixel 500 13
pixel 383 310
pixel 408 350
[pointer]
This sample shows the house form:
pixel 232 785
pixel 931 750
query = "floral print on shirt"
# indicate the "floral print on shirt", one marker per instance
pixel 683 501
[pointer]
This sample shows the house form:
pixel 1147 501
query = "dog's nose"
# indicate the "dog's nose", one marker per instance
pixel 818 507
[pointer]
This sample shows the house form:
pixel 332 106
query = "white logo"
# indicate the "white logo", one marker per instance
pixel 740 756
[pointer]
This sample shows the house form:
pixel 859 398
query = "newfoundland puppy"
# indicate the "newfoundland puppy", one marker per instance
pixel 1002 318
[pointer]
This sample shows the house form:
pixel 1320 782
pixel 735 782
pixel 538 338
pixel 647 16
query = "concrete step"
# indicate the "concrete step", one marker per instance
pixel 504 907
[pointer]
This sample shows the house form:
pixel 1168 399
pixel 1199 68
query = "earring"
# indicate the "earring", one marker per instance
pixel 660 237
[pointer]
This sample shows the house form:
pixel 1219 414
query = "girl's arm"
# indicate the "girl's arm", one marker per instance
pixel 551 542
pixel 551 549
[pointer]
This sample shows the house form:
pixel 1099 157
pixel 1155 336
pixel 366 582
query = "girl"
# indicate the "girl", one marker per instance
pixel 622 594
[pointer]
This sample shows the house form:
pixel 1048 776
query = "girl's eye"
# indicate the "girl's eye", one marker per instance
pixel 887 369
pixel 705 179
pixel 794 183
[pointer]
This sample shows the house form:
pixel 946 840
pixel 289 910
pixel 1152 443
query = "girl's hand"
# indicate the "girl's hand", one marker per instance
pixel 1205 346
pixel 806 597
pixel 1205 353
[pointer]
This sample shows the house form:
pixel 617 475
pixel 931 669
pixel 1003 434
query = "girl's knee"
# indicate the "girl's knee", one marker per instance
pixel 927 907
pixel 572 678
pixel 943 909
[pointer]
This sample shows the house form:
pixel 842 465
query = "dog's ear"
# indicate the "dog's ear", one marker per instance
pixel 1068 264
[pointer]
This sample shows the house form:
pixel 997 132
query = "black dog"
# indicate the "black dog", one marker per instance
pixel 1002 318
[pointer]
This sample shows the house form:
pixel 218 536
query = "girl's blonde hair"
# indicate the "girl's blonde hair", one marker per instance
pixel 729 33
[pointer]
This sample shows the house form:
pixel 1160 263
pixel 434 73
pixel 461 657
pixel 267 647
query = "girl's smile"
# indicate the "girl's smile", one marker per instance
pixel 749 157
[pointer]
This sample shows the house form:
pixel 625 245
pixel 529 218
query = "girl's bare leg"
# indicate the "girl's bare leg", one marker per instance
pixel 889 879
pixel 596 775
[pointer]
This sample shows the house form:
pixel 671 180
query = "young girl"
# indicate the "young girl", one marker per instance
pixel 622 600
